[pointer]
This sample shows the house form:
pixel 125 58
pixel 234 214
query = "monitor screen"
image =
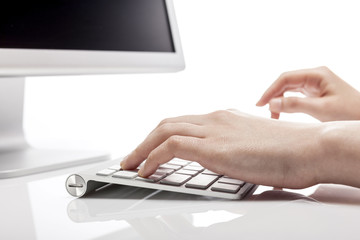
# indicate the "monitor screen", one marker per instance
pixel 110 25
pixel 66 37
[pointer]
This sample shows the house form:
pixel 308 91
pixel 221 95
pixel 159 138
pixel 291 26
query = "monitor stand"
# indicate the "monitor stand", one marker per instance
pixel 17 157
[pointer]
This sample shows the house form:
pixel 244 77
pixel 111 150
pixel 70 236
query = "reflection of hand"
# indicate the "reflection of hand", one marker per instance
pixel 257 150
pixel 328 97
pixel 280 195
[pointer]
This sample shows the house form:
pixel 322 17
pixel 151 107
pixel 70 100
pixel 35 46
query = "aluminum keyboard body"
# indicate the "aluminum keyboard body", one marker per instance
pixel 177 176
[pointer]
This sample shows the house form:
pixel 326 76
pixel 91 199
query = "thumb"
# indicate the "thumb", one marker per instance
pixel 294 105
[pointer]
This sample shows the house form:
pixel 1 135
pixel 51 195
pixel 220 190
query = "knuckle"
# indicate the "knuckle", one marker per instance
pixel 291 104
pixel 294 102
pixel 174 142
pixel 231 110
pixel 162 122
pixel 165 121
pixel 151 157
pixel 284 75
pixel 220 114
pixel 323 69
pixel 165 128
pixel 285 78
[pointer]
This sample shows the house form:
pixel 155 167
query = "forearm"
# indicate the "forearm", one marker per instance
pixel 341 153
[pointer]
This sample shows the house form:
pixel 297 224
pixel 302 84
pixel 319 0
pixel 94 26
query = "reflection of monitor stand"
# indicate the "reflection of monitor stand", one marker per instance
pixel 17 157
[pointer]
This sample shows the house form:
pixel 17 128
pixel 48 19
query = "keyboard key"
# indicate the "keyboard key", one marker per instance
pixel 193 168
pixel 106 172
pixel 180 162
pixel 187 172
pixel 167 171
pixel 125 174
pixel 195 164
pixel 175 179
pixel 223 187
pixel 201 181
pixel 231 181
pixel 115 167
pixel 206 171
pixel 152 178
pixel 160 173
pixel 170 166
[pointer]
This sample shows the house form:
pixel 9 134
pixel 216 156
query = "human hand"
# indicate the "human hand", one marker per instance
pixel 328 97
pixel 257 150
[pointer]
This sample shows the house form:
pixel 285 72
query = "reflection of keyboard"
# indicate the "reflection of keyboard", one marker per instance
pixel 177 175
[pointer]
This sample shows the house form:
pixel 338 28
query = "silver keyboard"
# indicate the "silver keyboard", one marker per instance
pixel 177 176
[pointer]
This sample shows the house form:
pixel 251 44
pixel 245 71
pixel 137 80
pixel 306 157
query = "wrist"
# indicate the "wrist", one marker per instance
pixel 340 153
pixel 314 153
pixel 304 158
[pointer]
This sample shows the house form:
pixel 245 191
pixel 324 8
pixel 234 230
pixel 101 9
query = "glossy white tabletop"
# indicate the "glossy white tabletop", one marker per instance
pixel 38 207
pixel 231 59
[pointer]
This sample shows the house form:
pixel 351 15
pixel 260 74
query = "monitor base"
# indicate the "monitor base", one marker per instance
pixel 17 158
pixel 31 160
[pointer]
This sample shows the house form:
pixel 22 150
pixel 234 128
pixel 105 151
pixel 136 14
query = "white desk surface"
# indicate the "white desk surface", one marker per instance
pixel 38 207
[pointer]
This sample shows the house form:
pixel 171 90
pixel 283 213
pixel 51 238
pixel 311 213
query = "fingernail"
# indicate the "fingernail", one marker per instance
pixel 275 105
pixel 141 171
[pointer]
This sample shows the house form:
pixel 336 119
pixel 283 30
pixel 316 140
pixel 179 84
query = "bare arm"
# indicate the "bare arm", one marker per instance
pixel 265 151
pixel 257 150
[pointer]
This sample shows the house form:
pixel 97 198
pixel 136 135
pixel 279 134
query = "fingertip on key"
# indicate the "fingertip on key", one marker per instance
pixel 123 163
pixel 141 172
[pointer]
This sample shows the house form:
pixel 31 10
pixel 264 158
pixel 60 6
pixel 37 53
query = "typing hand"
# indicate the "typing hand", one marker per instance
pixel 256 150
pixel 328 97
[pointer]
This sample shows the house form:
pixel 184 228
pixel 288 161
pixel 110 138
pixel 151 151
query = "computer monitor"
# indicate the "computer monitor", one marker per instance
pixel 63 37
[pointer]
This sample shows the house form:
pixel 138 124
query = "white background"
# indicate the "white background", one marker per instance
pixel 233 49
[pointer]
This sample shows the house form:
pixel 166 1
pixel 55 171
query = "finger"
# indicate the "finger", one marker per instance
pixel 300 80
pixel 157 137
pixel 275 115
pixel 309 106
pixel 183 147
